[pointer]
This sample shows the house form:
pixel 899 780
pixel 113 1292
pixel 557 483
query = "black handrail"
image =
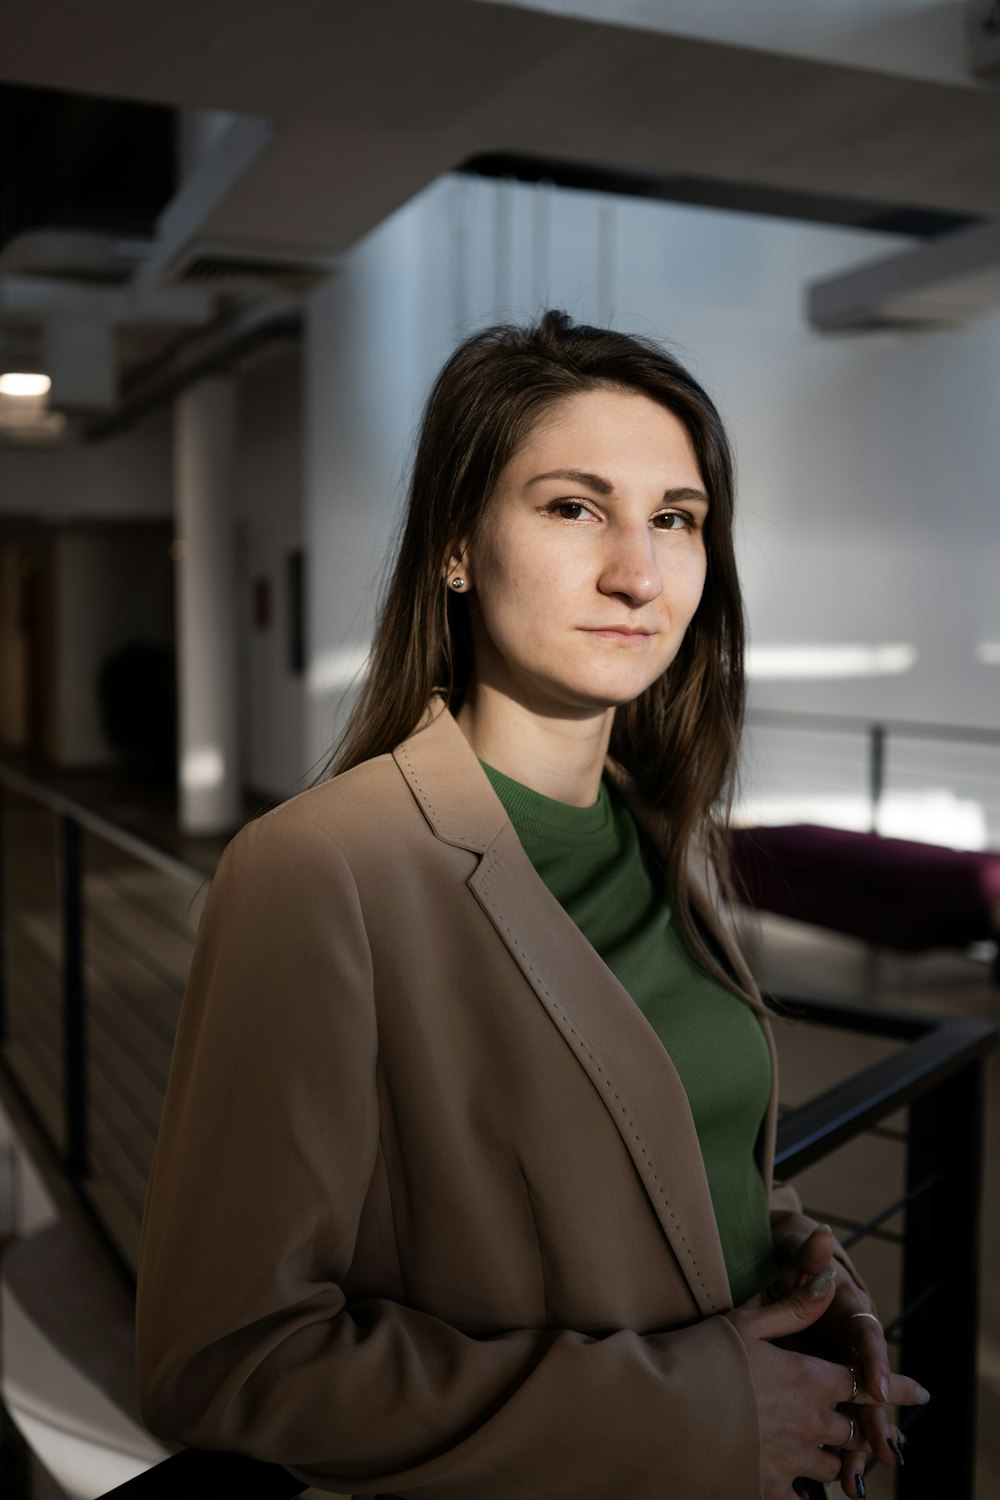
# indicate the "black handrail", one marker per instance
pixel 937 1074
pixel 918 729
pixel 936 1048
pixel 64 806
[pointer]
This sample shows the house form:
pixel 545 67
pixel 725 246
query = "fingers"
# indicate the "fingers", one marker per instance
pixel 883 1436
pixel 870 1354
pixel 906 1392
pixel 808 1489
pixel 797 1310
pixel 845 1433
pixel 874 1431
pixel 852 1476
pixel 888 1448
pixel 902 1391
pixel 800 1257
pixel 897 1445
pixel 823 1466
pixel 804 1255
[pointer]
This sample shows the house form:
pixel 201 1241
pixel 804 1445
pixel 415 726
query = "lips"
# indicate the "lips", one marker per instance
pixel 616 630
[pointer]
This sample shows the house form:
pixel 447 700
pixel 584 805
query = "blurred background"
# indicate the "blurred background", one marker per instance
pixel 237 240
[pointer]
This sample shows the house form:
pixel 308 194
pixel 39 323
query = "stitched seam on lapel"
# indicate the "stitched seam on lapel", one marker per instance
pixel 584 1046
pixel 432 811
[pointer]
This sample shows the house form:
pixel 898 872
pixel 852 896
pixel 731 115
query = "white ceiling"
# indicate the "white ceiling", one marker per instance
pixel 913 38
pixel 373 101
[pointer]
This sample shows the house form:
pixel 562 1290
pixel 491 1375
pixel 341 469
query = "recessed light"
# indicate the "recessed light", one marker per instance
pixel 15 383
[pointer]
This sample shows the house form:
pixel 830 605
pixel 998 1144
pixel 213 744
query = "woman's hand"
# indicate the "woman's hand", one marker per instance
pixel 848 1330
pixel 858 1339
pixel 802 1433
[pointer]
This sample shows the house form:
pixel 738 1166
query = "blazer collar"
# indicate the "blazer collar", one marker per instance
pixel 603 1027
pixel 448 782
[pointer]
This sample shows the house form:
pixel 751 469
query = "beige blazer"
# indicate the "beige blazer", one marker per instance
pixel 428 1214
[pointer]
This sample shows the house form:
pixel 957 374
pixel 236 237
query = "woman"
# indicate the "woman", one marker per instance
pixel 463 1185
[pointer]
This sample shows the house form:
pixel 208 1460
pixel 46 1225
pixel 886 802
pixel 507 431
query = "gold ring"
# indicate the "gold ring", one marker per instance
pixel 854 1383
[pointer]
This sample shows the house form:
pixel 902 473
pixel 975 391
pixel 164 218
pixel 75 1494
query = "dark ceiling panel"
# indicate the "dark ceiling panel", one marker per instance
pixel 713 192
pixel 71 161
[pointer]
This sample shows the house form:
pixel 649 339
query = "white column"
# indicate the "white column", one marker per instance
pixel 210 783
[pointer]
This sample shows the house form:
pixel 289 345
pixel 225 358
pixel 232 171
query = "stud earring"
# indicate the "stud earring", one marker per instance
pixel 457 583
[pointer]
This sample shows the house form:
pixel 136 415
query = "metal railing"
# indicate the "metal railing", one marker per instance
pixel 65 911
pixel 97 928
pixel 937 1076
pixel 877 735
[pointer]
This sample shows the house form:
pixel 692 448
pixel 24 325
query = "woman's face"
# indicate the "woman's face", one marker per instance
pixel 591 559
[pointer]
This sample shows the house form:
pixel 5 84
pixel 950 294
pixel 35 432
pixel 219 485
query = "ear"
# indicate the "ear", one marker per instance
pixel 458 575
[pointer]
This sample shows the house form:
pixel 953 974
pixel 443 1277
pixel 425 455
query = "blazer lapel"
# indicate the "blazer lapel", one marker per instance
pixel 604 1029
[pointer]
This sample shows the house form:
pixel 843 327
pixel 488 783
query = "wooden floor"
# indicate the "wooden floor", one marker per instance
pixel 793 958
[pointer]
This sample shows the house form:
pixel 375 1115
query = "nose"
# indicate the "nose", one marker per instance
pixel 631 572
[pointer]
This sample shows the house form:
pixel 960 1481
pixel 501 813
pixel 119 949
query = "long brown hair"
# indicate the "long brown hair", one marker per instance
pixel 678 741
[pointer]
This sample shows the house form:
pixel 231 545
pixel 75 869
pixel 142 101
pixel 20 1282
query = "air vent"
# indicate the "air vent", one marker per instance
pixel 223 269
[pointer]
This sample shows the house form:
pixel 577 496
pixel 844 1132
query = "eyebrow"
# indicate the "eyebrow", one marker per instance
pixel 605 487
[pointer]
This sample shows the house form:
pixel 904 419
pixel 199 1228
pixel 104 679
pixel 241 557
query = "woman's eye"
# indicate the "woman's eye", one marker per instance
pixel 672 520
pixel 568 510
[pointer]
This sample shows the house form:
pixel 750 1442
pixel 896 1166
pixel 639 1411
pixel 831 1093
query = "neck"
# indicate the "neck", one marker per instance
pixel 562 758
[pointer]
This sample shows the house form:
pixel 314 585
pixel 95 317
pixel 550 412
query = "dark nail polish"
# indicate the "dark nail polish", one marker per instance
pixel 897 1450
pixel 859 1485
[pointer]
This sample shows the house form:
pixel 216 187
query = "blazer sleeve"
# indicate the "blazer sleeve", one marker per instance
pixel 246 1339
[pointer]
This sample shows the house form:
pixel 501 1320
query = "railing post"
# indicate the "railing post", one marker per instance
pixel 74 1005
pixel 939 1334
pixel 876 770
pixel 3 916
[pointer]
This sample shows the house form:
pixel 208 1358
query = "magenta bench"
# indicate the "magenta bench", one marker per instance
pixel 895 893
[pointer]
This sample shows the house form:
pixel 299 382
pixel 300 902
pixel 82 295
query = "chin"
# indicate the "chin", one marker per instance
pixel 608 695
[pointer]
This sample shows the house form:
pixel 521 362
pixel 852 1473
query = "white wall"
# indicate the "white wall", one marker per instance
pixel 269 507
pixel 869 504
pixel 463 253
pixel 128 475
pixel 100 596
pixel 364 380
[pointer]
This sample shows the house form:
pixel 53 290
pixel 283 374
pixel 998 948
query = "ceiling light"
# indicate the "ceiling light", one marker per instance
pixel 21 384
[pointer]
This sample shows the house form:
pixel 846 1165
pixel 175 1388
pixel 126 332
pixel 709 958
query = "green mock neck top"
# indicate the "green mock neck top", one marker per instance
pixel 593 861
